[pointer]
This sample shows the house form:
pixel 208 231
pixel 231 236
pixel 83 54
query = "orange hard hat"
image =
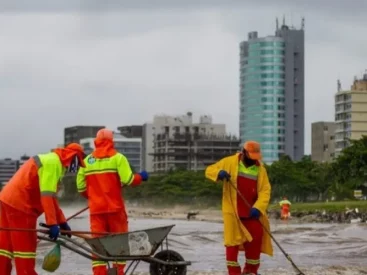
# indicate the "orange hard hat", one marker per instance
pixel 104 134
pixel 253 149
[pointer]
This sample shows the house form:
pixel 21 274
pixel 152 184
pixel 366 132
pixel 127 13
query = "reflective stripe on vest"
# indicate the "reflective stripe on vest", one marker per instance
pixel 117 164
pixel 284 202
pixel 251 172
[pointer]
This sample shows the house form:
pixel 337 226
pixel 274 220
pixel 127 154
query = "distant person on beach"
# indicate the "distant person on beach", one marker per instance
pixel 242 219
pixel 285 206
pixel 101 183
pixel 29 193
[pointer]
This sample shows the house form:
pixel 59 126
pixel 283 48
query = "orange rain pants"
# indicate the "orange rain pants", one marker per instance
pixel 108 222
pixel 284 212
pixel 16 244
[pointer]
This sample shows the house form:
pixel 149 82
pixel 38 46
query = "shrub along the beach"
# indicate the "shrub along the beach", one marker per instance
pixel 302 181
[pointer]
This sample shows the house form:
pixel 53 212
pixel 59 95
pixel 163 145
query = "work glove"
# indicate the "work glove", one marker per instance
pixel 144 175
pixel 66 227
pixel 54 232
pixel 254 213
pixel 223 175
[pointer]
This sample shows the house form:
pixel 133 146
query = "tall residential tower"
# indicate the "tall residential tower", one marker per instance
pixel 272 92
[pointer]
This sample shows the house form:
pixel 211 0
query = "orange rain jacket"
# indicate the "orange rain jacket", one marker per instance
pixel 33 188
pixel 102 179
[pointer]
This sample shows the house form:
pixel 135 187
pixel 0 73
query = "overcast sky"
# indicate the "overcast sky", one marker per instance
pixel 70 62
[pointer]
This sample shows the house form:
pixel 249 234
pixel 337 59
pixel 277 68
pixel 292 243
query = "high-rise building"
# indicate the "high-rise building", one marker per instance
pixel 323 141
pixel 272 92
pixel 350 113
pixel 76 133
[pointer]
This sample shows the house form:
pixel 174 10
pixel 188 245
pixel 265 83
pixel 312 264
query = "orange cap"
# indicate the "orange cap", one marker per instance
pixel 78 149
pixel 253 149
pixel 104 134
pixel 75 147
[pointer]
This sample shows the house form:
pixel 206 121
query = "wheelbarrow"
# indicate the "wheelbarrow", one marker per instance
pixel 134 246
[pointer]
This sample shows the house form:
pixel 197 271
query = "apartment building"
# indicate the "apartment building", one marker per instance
pixel 22 160
pixel 178 142
pixel 8 167
pixel 323 141
pixel 350 113
pixel 272 105
pixel 131 131
pixel 129 147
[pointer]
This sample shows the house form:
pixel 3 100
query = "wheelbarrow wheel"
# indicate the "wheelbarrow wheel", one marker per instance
pixel 168 256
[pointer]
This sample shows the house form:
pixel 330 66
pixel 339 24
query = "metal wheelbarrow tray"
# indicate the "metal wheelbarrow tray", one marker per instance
pixel 134 246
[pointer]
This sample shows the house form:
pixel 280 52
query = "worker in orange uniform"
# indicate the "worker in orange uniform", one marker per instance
pixel 101 183
pixel 29 193
pixel 242 223
pixel 285 205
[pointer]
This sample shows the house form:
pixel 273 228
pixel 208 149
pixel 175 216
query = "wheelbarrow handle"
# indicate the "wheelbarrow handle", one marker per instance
pixel 43 225
pixel 81 234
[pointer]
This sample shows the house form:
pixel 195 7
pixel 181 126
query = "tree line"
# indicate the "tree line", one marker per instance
pixel 301 181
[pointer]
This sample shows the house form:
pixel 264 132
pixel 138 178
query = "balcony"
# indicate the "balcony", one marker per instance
pixel 340 139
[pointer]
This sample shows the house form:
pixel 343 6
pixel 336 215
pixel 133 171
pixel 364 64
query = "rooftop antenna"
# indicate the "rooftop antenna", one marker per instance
pixel 339 85
pixel 283 19
pixel 303 23
pixel 277 23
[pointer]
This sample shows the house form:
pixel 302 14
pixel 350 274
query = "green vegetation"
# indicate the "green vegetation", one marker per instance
pixel 177 187
pixel 304 181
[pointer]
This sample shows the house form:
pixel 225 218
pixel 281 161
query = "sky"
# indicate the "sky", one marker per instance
pixel 113 63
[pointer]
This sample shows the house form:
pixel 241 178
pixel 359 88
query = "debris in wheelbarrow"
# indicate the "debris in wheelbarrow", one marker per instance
pixel 134 246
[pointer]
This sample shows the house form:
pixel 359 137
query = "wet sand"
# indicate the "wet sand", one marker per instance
pixel 330 249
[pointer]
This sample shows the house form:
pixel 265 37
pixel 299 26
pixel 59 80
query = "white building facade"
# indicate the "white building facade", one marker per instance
pixel 170 127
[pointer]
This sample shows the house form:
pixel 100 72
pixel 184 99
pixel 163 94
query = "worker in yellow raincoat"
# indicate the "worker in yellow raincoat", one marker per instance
pixel 242 229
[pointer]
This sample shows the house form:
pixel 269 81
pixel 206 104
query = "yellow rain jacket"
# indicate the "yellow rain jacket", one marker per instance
pixel 234 231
